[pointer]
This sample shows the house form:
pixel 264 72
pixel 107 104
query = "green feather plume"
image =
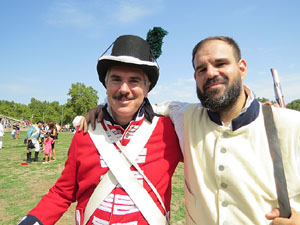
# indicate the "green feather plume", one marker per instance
pixel 154 39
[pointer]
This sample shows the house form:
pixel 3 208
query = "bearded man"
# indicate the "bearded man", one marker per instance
pixel 229 175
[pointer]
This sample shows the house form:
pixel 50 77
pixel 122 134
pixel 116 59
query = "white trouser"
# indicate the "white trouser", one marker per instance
pixel 0 142
pixel 36 144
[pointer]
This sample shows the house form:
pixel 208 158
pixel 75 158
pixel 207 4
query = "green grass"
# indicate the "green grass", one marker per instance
pixel 22 186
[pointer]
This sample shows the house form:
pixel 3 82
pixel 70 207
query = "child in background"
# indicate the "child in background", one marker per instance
pixel 13 133
pixel 48 141
pixel 17 131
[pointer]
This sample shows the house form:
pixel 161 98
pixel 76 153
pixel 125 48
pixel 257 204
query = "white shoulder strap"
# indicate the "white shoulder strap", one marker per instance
pixel 126 152
pixel 103 189
pixel 119 170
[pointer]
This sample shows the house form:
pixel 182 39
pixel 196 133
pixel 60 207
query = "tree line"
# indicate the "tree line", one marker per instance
pixel 82 98
pixel 292 105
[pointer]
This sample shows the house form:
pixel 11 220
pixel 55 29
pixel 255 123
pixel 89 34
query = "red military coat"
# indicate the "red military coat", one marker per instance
pixel 84 168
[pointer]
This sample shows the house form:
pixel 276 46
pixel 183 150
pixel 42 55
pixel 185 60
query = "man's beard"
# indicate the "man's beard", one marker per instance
pixel 224 102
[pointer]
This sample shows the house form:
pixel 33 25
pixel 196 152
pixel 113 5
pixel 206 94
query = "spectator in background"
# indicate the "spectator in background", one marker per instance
pixel 17 127
pixel 48 142
pixel 44 130
pixel 1 133
pixel 58 127
pixel 53 134
pixel 46 126
pixel 33 134
pixel 13 132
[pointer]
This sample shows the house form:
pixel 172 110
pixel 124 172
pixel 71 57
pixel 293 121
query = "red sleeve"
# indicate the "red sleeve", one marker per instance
pixel 62 194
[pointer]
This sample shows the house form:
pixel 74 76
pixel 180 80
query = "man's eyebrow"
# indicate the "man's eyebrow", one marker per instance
pixel 221 60
pixel 114 75
pixel 130 77
pixel 215 61
pixel 199 67
pixel 136 77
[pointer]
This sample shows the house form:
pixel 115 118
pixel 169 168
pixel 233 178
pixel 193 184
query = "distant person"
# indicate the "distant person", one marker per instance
pixel 17 131
pixel 33 135
pixel 58 127
pixel 53 134
pixel 44 130
pixel 48 141
pixel 13 132
pixel 1 133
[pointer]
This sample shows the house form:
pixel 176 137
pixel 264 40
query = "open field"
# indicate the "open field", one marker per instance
pixel 22 186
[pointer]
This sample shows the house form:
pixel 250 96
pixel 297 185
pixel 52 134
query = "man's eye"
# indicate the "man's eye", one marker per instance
pixel 220 64
pixel 134 81
pixel 202 70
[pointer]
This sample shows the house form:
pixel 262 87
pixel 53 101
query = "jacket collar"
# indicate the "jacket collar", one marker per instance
pixel 248 114
pixel 107 115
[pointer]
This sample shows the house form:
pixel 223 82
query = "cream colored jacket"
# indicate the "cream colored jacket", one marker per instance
pixel 229 174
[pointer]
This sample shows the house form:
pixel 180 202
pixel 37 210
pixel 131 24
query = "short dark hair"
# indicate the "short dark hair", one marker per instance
pixel 228 40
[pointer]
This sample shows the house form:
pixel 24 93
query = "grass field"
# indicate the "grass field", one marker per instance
pixel 22 186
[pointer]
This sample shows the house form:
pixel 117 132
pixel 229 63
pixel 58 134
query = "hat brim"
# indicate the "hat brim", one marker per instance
pixel 150 68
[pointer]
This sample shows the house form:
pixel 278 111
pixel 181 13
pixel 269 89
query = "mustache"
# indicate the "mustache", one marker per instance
pixel 123 97
pixel 214 80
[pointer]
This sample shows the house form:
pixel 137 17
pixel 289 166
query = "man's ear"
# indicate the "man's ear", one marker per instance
pixel 195 75
pixel 243 68
pixel 146 91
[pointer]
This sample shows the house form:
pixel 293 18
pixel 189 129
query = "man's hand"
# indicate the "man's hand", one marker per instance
pixel 83 125
pixel 277 220
pixel 271 104
pixel 90 118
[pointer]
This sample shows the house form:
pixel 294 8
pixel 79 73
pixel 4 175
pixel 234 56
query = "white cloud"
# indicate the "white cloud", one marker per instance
pixel 94 16
pixel 180 90
pixel 82 14
pixel 132 11
pixel 245 11
pixel 290 84
pixel 70 13
pixel 14 88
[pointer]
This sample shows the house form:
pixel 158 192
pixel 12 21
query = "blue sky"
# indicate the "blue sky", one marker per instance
pixel 45 46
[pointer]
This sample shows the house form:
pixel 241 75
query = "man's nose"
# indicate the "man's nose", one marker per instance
pixel 211 71
pixel 124 88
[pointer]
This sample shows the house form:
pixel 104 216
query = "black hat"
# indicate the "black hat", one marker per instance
pixel 130 50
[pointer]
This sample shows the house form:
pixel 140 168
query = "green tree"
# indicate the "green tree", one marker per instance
pixel 36 108
pixel 5 108
pixel 294 105
pixel 82 99
pixel 15 110
pixel 45 111
pixel 263 100
pixel 53 112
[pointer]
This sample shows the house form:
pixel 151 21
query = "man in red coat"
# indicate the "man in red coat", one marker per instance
pixel 130 157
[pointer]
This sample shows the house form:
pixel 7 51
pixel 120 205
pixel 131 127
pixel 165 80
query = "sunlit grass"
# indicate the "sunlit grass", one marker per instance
pixel 22 186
